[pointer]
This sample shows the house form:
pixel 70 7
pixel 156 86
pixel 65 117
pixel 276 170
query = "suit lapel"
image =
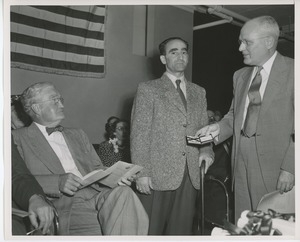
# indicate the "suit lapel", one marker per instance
pixel 43 150
pixel 276 80
pixel 241 93
pixel 172 94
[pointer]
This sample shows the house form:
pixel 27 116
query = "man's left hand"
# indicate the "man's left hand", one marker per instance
pixel 286 181
pixel 207 158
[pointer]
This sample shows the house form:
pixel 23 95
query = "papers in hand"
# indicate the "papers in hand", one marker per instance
pixel 118 171
pixel 94 176
pixel 199 140
pixel 112 175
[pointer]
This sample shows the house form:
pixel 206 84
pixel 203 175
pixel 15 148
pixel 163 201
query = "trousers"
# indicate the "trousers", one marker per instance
pixel 115 211
pixel 171 212
pixel 249 186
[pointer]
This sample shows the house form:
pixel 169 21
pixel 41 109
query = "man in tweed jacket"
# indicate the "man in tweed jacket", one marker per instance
pixel 160 123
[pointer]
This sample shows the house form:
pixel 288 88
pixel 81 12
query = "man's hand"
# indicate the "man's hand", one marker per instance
pixel 208 158
pixel 69 183
pixel 213 129
pixel 286 181
pixel 127 181
pixel 144 185
pixel 41 214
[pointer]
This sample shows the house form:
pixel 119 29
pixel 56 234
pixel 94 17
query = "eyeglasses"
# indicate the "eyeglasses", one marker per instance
pixel 56 100
pixel 249 42
pixel 121 128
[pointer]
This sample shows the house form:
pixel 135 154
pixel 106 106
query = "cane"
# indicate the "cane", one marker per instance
pixel 201 198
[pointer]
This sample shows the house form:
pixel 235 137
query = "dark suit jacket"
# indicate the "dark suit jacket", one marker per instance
pixel 24 184
pixel 275 127
pixel 44 164
pixel 159 128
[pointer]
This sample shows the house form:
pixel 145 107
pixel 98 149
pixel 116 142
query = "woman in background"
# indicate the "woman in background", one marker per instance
pixel 117 146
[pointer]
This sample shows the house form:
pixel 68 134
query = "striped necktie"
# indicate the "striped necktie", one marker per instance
pixel 254 105
pixel 181 93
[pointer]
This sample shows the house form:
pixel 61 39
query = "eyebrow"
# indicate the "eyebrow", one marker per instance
pixel 175 49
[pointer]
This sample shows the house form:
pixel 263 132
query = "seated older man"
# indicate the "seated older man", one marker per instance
pixel 60 159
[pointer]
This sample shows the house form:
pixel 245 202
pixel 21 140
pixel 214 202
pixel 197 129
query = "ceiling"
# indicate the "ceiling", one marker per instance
pixel 284 14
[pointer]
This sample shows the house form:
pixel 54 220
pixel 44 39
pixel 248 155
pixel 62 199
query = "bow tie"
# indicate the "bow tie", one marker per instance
pixel 58 128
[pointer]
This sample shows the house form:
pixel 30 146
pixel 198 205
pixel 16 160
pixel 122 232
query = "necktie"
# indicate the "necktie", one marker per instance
pixel 58 128
pixel 181 93
pixel 254 105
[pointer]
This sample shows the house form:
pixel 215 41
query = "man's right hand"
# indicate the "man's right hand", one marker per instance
pixel 144 185
pixel 69 183
pixel 41 214
pixel 213 129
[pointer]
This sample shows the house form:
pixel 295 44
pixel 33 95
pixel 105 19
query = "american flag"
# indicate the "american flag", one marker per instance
pixel 66 40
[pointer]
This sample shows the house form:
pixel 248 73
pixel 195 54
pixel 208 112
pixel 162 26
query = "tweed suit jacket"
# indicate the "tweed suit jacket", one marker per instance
pixel 159 127
pixel 44 164
pixel 275 127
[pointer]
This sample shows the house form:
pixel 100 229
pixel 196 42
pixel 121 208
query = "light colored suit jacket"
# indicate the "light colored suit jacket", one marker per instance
pixel 159 128
pixel 275 127
pixel 44 164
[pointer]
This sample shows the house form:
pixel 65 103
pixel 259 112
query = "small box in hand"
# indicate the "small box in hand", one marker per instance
pixel 199 140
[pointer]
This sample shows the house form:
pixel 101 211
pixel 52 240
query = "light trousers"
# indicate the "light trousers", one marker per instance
pixel 115 211
pixel 249 184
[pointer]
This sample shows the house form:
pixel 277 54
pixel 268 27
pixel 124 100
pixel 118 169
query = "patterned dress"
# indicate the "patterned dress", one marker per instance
pixel 109 157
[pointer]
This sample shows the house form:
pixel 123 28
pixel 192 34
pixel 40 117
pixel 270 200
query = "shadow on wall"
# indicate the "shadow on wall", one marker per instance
pixel 157 68
pixel 126 106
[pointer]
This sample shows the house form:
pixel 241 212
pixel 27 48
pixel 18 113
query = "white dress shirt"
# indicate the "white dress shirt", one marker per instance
pixel 265 73
pixel 182 83
pixel 57 141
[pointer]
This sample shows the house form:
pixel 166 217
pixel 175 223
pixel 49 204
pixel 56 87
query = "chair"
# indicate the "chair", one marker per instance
pixel 281 203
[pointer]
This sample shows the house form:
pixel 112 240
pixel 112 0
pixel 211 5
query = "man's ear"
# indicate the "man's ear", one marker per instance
pixel 270 42
pixel 35 108
pixel 163 59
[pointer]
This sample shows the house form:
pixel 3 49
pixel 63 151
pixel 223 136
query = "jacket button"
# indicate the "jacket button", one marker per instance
pixel 184 125
pixel 183 153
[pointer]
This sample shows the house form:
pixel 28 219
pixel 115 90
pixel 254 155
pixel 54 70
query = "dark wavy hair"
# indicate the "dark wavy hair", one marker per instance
pixel 114 126
pixel 162 45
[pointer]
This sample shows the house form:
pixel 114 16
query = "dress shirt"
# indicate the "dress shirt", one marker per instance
pixel 182 83
pixel 265 73
pixel 57 141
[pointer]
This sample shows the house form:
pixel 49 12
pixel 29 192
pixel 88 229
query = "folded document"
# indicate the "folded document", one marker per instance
pixel 199 140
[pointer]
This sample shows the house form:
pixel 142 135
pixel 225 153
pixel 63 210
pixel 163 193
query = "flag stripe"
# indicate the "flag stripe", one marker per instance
pixel 47 62
pixel 54 45
pixel 64 11
pixel 54 36
pixel 47 25
pixel 57 55
pixel 66 40
pixel 53 17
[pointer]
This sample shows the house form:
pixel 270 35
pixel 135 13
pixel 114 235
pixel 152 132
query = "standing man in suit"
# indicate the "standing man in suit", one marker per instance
pixel 165 111
pixel 261 117
pixel 28 195
pixel 59 158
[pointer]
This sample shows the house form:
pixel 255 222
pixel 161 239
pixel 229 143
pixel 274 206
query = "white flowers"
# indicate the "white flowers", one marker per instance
pixel 114 143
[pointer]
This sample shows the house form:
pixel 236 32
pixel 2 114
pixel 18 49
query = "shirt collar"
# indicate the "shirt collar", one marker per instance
pixel 268 65
pixel 174 78
pixel 42 128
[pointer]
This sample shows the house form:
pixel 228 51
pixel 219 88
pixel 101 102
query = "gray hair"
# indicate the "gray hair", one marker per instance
pixel 31 94
pixel 268 24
